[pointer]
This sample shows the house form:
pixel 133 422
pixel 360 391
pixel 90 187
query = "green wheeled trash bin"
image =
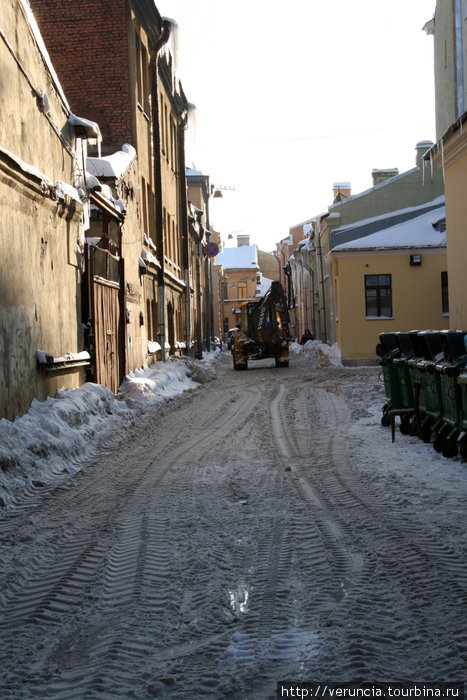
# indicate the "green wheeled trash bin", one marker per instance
pixel 430 400
pixel 408 420
pixel 454 359
pixel 462 440
pixel 388 349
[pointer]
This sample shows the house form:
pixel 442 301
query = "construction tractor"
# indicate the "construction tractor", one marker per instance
pixel 263 330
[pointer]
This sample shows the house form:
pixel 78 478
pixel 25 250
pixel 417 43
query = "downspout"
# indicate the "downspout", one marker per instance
pixel 164 37
pixel 322 290
pixel 303 297
pixel 208 276
pixel 184 226
pixel 312 296
pixel 459 59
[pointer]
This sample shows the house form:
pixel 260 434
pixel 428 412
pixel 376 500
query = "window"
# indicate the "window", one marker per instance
pixel 139 85
pixel 241 290
pixel 378 296
pixel 149 325
pixel 444 292
pixel 144 193
pixel 145 78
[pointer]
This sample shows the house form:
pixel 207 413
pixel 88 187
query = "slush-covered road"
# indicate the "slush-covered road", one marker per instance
pixel 253 531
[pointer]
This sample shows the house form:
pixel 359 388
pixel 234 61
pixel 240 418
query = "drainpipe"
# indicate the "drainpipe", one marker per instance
pixel 183 215
pixel 164 37
pixel 322 291
pixel 208 277
pixel 310 271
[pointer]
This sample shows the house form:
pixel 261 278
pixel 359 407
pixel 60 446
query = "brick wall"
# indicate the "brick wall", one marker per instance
pixel 88 44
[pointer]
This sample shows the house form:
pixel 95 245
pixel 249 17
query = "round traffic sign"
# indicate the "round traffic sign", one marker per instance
pixel 211 249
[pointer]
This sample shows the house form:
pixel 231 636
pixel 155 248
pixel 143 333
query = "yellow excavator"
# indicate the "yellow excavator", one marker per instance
pixel 263 330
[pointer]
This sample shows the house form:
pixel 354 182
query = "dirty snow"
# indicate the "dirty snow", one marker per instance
pixel 260 528
pixel 58 436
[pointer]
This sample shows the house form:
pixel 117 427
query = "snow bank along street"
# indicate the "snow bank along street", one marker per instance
pixel 210 539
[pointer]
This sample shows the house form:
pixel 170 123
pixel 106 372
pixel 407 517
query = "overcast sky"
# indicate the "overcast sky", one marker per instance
pixel 293 96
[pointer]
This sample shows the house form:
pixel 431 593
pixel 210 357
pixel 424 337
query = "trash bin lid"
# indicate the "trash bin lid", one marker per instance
pixel 453 345
pixel 431 345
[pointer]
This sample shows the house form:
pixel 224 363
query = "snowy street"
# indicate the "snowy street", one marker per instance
pixel 260 527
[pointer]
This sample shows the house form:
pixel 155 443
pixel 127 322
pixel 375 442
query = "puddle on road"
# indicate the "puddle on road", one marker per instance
pixel 292 645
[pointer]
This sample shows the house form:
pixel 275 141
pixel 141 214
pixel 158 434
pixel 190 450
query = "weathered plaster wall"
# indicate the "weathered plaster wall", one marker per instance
pixel 40 300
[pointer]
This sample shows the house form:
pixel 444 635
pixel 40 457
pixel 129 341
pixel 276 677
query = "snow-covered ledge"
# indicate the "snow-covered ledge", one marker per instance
pixel 49 363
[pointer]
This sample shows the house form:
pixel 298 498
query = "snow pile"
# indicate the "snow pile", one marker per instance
pixel 315 354
pixel 152 386
pixel 57 437
pixel 328 355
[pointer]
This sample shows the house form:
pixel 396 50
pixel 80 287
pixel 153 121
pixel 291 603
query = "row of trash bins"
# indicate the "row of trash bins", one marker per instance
pixel 425 381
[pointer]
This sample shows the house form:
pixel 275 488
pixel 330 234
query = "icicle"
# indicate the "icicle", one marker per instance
pixel 423 174
pixel 431 163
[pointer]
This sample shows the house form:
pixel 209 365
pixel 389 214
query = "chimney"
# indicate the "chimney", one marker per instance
pixel 243 239
pixel 341 191
pixel 421 148
pixel 380 176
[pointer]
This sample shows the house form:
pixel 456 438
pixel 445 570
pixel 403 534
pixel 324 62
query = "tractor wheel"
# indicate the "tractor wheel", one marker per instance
pixel 438 443
pixel 240 367
pixel 281 363
pixel 463 449
pixel 413 428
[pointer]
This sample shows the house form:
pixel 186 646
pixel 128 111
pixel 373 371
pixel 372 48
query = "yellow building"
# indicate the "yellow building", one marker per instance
pixel 451 151
pixel 242 278
pixel 391 278
pixel 449 31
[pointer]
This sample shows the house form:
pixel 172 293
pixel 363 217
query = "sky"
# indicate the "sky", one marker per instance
pixel 293 96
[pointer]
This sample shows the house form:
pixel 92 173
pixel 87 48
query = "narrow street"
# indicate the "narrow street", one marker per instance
pixel 252 531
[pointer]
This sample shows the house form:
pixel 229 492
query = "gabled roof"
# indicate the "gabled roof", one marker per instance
pixel 419 231
pixel 366 227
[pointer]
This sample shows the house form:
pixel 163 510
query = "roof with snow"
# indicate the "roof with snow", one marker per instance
pixel 244 256
pixel 192 172
pixel 423 227
pixel 365 227
pixel 114 165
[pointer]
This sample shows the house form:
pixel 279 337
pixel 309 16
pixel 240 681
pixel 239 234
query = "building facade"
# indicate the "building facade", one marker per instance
pixel 122 75
pixel 309 269
pixel 449 30
pixel 42 223
pixel 242 278
pixel 389 277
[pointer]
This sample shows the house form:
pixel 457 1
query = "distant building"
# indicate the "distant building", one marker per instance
pixel 243 280
pixel 308 270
